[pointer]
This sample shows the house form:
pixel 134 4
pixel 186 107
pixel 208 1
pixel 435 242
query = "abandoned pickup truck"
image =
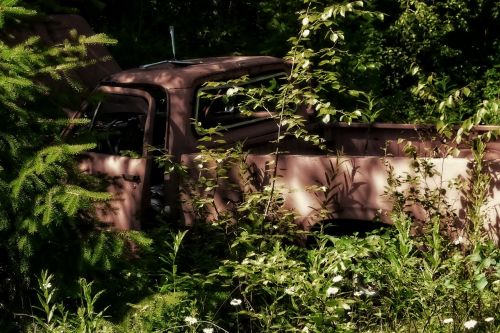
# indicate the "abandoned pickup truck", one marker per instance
pixel 156 105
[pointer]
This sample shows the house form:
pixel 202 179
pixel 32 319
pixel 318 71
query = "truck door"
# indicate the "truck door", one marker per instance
pixel 122 122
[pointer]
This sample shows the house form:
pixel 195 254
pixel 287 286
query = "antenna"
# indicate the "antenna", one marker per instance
pixel 174 60
pixel 172 38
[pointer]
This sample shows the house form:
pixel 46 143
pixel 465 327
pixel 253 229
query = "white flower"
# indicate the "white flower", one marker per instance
pixel 448 321
pixel 47 285
pixel 190 320
pixel 306 33
pixel 232 91
pixel 370 293
pixel 469 324
pixel 306 64
pixel 337 278
pixel 489 319
pixel 235 302
pixel 208 330
pixel 332 291
pixel 290 291
pixel 305 21
pixel 358 293
pixel 326 15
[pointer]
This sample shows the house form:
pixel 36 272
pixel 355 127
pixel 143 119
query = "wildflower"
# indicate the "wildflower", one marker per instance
pixel 358 293
pixel 326 15
pixel 489 319
pixel 235 302
pixel 332 291
pixel 232 91
pixel 47 285
pixel 290 291
pixel 448 321
pixel 370 293
pixel 305 21
pixel 306 33
pixel 208 330
pixel 469 324
pixel 306 64
pixel 190 320
pixel 337 278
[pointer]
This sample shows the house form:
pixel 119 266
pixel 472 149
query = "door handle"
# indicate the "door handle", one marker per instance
pixel 132 178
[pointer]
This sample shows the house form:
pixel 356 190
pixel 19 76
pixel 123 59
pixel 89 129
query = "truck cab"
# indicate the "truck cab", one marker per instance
pixel 142 111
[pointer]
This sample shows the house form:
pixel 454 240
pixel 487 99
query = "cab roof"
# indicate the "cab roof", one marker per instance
pixel 191 73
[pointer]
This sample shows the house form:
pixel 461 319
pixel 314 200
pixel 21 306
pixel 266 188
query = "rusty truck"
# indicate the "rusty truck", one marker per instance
pixel 156 105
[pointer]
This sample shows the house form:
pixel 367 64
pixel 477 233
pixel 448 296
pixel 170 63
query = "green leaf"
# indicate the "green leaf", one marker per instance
pixel 466 91
pixel 481 282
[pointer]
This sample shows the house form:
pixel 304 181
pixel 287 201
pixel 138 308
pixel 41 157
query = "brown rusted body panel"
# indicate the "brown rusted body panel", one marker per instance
pixel 354 182
pixel 124 210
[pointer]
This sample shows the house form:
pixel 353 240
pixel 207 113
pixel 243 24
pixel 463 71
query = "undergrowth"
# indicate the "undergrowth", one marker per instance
pixel 229 277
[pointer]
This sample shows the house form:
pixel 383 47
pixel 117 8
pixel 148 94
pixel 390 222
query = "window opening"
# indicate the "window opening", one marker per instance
pixel 224 104
pixel 118 123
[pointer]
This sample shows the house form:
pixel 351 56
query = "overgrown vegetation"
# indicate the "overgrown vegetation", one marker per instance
pixel 246 271
pixel 43 202
pixel 227 277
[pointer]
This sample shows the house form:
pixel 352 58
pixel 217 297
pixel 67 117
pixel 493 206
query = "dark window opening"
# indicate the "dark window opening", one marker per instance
pixel 118 124
pixel 229 106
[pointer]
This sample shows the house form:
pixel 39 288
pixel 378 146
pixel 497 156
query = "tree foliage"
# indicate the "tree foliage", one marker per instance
pixel 43 199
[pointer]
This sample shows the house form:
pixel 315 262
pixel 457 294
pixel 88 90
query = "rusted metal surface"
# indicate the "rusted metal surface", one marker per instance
pixel 126 184
pixel 353 187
